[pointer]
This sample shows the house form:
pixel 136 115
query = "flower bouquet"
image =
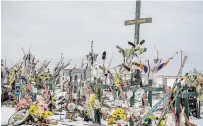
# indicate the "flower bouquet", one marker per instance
pixel 35 113
pixel 93 107
pixel 90 104
pixel 118 114
pixel 38 111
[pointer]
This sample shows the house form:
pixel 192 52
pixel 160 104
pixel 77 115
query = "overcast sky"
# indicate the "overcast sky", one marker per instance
pixel 69 27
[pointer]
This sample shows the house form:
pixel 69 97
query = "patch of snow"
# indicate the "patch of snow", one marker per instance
pixel 6 113
pixel 198 122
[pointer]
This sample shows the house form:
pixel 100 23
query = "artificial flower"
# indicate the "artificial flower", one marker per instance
pixel 111 121
pixel 119 110
pixel 33 110
pixel 45 114
pixel 50 113
pixel 119 113
pixel 123 117
pixel 97 104
pixel 92 100
pixel 114 114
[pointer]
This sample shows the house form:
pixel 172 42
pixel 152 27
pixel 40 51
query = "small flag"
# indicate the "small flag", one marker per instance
pixel 163 65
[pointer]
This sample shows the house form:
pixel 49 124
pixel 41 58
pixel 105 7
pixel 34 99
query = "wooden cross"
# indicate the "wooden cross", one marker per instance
pixel 137 21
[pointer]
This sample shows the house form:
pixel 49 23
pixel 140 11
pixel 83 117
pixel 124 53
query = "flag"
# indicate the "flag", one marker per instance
pixel 141 66
pixel 163 65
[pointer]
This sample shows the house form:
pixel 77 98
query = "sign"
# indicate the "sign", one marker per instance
pixel 34 90
pixel 138 21
pixel 118 102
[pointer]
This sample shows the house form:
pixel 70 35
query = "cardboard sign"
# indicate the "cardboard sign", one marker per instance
pixel 118 102
pixel 74 95
pixel 34 90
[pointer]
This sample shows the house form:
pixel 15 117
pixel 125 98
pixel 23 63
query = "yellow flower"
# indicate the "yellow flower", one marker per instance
pixel 114 114
pixel 119 110
pixel 33 110
pixel 152 117
pixel 40 114
pixel 119 113
pixel 50 113
pixel 123 117
pixel 93 97
pixel 111 120
pixel 117 82
pixel 45 114
pixel 92 100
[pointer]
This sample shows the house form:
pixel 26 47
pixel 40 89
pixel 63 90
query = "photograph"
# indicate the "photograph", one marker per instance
pixel 101 63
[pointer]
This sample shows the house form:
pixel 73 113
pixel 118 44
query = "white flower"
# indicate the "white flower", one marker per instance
pixel 35 119
pixel 97 104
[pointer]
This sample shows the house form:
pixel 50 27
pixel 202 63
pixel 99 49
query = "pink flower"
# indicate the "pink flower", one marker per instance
pixel 21 104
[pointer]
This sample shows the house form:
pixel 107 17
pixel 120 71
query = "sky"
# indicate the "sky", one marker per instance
pixel 52 28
